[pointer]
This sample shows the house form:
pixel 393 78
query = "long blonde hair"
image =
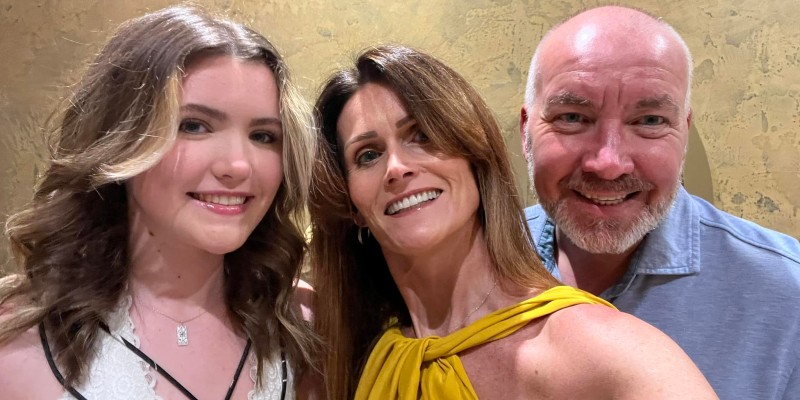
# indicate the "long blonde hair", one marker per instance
pixel 356 294
pixel 71 242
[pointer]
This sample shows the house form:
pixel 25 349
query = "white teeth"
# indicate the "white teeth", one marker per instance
pixel 412 201
pixel 221 200
pixel 605 201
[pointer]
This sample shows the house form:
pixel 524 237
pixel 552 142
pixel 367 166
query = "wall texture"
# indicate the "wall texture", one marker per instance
pixel 745 140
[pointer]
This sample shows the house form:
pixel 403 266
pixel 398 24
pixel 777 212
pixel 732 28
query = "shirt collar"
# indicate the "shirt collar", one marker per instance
pixel 673 248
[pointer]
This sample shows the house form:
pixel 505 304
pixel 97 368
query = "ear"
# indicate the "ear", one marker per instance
pixel 358 219
pixel 523 120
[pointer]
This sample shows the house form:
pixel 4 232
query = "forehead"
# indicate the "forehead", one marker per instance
pixel 372 107
pixel 223 75
pixel 591 56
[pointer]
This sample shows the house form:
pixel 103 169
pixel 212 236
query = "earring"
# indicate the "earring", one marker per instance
pixel 360 240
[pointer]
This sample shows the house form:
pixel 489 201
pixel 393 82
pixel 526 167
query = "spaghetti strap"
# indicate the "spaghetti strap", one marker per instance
pixel 53 367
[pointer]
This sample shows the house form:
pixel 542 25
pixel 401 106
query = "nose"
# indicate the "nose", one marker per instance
pixel 399 167
pixel 233 164
pixel 609 159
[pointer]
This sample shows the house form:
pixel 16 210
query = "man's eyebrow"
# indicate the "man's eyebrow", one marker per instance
pixel 665 101
pixel 568 98
pixel 211 112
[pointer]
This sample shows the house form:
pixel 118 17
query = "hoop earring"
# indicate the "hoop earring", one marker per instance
pixel 360 240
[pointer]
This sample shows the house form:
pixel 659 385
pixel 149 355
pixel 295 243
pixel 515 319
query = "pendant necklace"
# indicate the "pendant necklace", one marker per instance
pixel 181 330
pixel 464 321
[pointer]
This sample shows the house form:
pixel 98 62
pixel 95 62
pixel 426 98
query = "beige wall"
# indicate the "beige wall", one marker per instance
pixel 746 135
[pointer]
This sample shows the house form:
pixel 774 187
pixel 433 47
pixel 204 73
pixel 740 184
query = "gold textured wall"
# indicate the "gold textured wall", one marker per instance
pixel 745 140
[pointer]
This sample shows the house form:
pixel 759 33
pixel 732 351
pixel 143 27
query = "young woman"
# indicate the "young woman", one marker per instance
pixel 161 253
pixel 427 282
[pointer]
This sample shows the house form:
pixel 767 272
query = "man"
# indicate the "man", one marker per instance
pixel 605 127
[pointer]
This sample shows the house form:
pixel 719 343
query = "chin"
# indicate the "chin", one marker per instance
pixel 217 247
pixel 606 236
pixel 602 238
pixel 412 246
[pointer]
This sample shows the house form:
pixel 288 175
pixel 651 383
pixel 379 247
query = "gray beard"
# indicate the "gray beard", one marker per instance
pixel 609 236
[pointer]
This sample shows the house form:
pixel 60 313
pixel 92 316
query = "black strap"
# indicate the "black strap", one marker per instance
pixel 152 364
pixel 238 370
pixel 53 367
pixel 284 374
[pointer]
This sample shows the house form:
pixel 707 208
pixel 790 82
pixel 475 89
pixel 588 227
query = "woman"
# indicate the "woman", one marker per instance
pixel 438 293
pixel 161 253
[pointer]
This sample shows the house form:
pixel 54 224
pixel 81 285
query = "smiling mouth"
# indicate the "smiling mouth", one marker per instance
pixel 218 199
pixel 411 201
pixel 606 200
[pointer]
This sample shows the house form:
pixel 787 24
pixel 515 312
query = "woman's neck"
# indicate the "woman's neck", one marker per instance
pixel 175 277
pixel 449 289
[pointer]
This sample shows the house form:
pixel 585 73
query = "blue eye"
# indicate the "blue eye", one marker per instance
pixel 192 126
pixel 651 120
pixel 366 157
pixel 572 118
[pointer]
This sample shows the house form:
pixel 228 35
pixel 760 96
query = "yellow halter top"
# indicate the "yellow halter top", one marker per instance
pixel 409 369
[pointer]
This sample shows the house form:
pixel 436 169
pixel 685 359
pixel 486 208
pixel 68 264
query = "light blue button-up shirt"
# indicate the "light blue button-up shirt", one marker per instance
pixel 725 289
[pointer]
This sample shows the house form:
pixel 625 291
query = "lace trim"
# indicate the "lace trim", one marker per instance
pixel 251 395
pixel 123 327
pixel 271 380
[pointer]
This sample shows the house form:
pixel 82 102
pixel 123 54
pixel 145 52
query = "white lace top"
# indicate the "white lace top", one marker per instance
pixel 118 373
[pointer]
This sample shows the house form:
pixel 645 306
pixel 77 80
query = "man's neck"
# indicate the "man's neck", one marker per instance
pixel 591 272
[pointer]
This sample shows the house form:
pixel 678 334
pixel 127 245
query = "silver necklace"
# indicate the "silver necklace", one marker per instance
pixel 182 331
pixel 464 321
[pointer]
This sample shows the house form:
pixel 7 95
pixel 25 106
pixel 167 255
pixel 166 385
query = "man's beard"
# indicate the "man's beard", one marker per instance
pixel 607 236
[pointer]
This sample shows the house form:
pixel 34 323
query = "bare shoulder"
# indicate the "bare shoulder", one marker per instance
pixel 303 297
pixel 617 354
pixel 24 373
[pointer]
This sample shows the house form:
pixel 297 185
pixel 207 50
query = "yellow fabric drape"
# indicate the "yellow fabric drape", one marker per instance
pixel 409 369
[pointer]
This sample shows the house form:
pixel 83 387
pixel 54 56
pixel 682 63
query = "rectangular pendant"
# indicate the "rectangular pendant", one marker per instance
pixel 183 335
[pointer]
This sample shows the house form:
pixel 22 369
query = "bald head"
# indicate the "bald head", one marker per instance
pixel 608 36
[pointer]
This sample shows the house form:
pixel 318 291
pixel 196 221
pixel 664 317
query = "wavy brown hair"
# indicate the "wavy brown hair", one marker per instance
pixel 357 297
pixel 71 242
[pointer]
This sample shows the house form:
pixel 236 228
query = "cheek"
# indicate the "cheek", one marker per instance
pixel 365 187
pixel 270 172
pixel 179 164
pixel 356 188
pixel 152 184
pixel 469 182
pixel 553 160
pixel 662 171
pixel 661 164
pixel 181 170
pixel 147 194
